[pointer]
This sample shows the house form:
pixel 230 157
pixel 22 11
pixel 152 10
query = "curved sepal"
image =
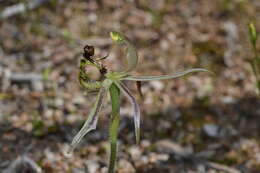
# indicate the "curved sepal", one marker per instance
pixel 172 76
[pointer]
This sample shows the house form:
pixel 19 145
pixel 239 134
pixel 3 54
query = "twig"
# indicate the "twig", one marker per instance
pixel 25 77
pixel 179 152
pixel 21 7
pixel 221 167
pixel 35 80
pixel 23 164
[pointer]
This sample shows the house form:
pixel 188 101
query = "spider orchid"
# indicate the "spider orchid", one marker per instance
pixel 112 83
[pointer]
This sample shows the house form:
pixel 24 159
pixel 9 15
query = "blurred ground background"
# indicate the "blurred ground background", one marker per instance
pixel 199 123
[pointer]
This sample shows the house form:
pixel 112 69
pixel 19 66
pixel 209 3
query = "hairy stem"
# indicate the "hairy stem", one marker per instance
pixel 114 124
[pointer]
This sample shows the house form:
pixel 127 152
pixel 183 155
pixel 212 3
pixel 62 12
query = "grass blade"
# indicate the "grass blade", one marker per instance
pixel 172 76
pixel 136 107
pixel 91 122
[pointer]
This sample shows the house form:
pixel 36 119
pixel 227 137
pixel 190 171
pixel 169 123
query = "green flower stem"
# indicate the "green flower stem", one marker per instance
pixel 114 124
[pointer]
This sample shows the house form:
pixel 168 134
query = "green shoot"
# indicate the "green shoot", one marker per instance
pixel 255 62
pixel 114 124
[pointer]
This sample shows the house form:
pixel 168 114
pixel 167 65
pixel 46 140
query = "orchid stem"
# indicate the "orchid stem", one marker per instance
pixel 114 124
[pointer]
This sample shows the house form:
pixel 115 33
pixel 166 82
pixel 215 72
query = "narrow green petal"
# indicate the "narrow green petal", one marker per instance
pixel 172 76
pixel 136 107
pixel 91 122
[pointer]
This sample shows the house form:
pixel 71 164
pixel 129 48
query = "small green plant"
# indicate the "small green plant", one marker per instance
pixel 112 82
pixel 255 61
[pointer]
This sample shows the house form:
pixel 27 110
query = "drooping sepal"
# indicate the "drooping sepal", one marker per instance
pixel 136 108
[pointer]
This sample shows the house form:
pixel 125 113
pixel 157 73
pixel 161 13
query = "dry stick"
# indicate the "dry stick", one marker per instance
pixel 34 79
pixel 178 151
pixel 20 8
pixel 208 164
pixel 23 163
pixel 221 167
pixel 212 165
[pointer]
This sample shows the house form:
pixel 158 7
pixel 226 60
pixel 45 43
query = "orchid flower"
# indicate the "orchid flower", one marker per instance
pixel 113 83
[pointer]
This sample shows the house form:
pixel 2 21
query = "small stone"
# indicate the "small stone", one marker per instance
pixel 92 166
pixel 157 85
pixel 211 130
pixel 135 152
pixel 167 146
pixel 228 100
pixel 125 167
